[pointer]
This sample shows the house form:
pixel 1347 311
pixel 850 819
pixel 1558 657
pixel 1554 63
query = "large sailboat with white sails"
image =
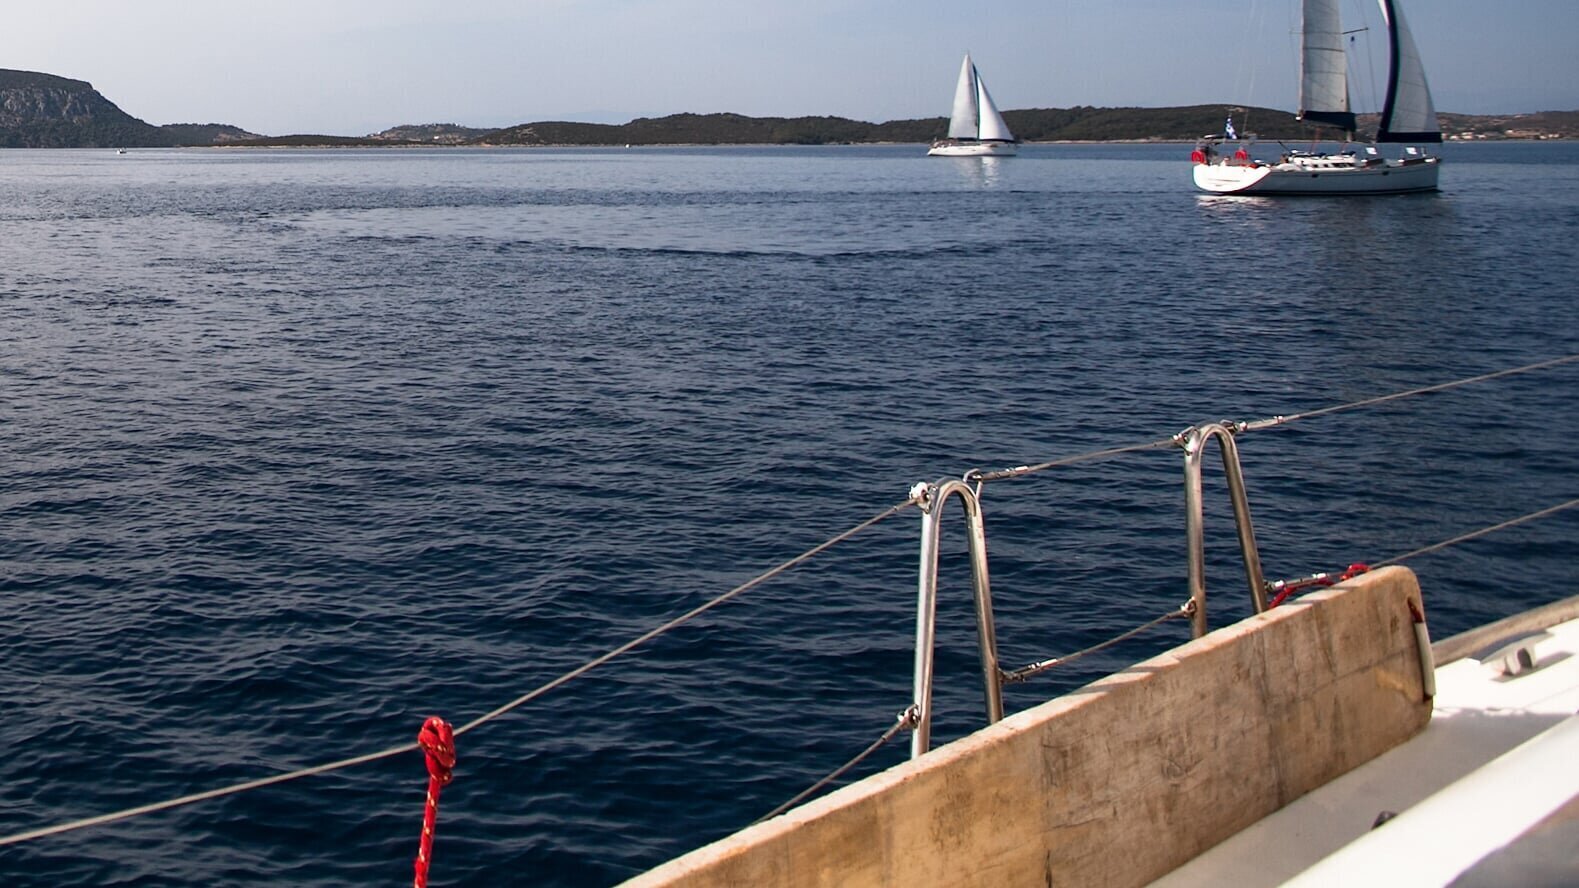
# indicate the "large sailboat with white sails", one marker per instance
pixel 975 129
pixel 1224 163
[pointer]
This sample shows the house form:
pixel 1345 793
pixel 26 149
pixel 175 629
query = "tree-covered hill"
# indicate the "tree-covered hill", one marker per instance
pixel 689 129
pixel 1034 125
pixel 46 111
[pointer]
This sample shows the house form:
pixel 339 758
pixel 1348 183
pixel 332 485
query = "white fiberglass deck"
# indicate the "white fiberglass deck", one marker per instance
pixel 1485 795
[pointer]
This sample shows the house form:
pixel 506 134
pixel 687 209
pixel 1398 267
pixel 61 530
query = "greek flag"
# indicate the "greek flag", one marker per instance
pixel 1229 129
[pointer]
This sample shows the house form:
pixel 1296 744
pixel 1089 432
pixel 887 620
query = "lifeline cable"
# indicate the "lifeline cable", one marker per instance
pixel 1480 533
pixel 974 475
pixel 1034 669
pixel 685 617
pixel 86 822
pixel 1184 611
pixel 393 751
pixel 1424 390
pixel 906 721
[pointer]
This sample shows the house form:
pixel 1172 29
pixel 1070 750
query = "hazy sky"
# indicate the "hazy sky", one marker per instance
pixel 351 67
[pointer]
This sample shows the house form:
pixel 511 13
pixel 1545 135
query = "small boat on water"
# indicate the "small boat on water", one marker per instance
pixel 976 129
pixel 1225 164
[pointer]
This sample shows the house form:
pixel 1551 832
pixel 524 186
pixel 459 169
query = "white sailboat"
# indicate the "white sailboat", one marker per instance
pixel 975 129
pixel 1223 164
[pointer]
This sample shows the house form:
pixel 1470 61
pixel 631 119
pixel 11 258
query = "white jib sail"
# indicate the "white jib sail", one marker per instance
pixel 992 125
pixel 962 123
pixel 1413 111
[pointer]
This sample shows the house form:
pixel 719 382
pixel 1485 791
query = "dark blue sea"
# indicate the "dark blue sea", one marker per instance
pixel 298 448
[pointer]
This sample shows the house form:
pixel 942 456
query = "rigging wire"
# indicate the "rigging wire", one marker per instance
pixel 1249 63
pixel 1258 21
pixel 1372 92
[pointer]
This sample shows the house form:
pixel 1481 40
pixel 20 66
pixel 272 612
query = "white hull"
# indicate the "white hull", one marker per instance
pixel 953 148
pixel 1313 176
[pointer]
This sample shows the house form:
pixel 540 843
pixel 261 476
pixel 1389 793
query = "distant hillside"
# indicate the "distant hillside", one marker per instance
pixel 1078 124
pixel 206 133
pixel 1035 125
pixel 431 133
pixel 45 111
pixel 1541 125
pixel 314 141
pixel 689 129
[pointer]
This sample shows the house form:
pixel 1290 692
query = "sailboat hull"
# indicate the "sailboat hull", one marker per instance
pixel 962 148
pixel 1380 177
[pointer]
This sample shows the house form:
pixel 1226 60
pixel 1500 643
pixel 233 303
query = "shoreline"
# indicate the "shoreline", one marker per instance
pixel 378 145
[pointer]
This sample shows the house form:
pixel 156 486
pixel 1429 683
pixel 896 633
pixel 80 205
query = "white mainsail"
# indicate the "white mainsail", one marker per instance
pixel 1409 115
pixel 962 123
pixel 1324 80
pixel 975 115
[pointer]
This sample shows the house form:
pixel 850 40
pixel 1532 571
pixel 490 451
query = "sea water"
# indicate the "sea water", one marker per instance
pixel 301 447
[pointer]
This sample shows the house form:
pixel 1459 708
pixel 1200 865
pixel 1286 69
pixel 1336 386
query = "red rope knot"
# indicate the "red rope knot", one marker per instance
pixel 1286 588
pixel 437 740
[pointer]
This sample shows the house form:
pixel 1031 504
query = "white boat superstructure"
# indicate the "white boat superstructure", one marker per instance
pixel 1224 164
pixel 976 128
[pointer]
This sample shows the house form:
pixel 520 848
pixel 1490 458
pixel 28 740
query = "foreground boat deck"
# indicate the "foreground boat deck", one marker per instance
pixel 1124 780
pixel 1487 794
pixel 1263 753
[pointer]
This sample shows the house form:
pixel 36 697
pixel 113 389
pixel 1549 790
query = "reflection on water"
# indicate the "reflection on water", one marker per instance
pixel 980 172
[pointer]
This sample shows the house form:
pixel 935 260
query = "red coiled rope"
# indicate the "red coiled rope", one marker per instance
pixel 438 746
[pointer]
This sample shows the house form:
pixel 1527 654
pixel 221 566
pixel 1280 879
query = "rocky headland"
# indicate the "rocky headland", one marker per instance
pixel 45 111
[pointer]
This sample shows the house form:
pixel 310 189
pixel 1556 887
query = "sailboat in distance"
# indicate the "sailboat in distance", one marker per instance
pixel 975 129
pixel 1223 163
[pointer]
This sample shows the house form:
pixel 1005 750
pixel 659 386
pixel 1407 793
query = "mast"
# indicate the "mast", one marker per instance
pixel 1409 114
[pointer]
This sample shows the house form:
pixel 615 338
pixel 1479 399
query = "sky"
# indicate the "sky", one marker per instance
pixel 353 67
